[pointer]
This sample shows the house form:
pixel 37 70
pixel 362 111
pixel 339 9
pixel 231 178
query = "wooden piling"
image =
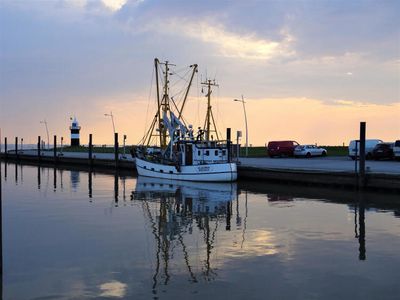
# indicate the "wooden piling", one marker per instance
pixel 5 147
pixel 116 149
pixel 361 168
pixel 38 147
pixel 90 150
pixel 16 147
pixel 55 149
pixel 229 143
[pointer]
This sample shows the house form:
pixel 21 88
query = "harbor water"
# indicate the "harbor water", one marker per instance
pixel 70 234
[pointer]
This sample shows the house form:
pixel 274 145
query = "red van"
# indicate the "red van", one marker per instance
pixel 281 148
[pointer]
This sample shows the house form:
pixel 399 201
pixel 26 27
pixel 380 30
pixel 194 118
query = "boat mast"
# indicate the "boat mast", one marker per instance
pixel 165 107
pixel 187 90
pixel 209 116
pixel 163 103
pixel 156 62
pixel 162 106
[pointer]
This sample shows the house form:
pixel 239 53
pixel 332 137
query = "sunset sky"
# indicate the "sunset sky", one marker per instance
pixel 308 70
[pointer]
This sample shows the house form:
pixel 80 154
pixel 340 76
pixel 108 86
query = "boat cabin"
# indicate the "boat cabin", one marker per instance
pixel 200 153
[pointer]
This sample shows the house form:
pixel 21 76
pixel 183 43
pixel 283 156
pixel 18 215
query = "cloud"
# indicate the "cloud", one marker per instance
pixel 245 45
pixel 110 5
pixel 114 5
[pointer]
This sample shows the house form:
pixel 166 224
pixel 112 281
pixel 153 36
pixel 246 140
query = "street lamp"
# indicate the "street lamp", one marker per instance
pixel 245 119
pixel 47 131
pixel 112 119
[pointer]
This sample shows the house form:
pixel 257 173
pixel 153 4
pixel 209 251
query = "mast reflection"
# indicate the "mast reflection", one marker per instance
pixel 174 209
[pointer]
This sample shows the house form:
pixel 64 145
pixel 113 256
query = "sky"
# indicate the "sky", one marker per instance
pixel 309 71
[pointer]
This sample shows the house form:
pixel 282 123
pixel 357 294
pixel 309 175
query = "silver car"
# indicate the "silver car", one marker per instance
pixel 309 151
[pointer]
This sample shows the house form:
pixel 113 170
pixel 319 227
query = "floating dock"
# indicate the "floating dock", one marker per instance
pixel 326 171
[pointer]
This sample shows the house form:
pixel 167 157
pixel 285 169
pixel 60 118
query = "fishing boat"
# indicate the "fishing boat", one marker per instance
pixel 171 149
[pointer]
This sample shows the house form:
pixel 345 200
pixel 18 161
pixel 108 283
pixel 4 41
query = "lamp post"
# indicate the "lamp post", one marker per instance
pixel 47 132
pixel 112 120
pixel 245 119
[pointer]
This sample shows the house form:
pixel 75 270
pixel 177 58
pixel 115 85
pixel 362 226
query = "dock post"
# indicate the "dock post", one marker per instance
pixel 361 168
pixel 5 147
pixel 228 143
pixel 90 150
pixel 38 147
pixel 16 147
pixel 55 149
pixel 116 149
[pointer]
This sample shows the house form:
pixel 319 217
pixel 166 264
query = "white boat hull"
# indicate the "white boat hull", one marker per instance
pixel 219 172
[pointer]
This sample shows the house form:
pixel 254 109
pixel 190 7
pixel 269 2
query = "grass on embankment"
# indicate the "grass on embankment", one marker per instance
pixel 262 151
pixel 253 151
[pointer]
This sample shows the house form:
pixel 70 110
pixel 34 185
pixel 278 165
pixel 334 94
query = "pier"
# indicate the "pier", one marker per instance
pixel 332 171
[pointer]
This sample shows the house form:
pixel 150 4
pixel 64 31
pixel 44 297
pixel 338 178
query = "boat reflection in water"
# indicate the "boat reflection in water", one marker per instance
pixel 175 209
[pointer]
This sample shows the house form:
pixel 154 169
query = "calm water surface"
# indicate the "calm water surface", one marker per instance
pixel 79 235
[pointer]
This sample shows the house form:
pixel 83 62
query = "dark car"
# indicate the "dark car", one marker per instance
pixel 383 151
pixel 281 148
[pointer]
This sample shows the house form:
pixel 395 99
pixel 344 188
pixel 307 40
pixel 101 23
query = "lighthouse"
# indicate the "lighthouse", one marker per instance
pixel 75 128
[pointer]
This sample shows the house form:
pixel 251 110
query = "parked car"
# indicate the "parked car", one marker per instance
pixel 309 150
pixel 281 148
pixel 383 151
pixel 369 146
pixel 396 150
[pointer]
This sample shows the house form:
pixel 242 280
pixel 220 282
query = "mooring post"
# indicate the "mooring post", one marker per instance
pixel 38 147
pixel 116 149
pixel 228 143
pixel 361 168
pixel 5 147
pixel 16 147
pixel 55 149
pixel 90 150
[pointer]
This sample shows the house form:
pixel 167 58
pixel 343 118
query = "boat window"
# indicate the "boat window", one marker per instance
pixel 170 172
pixel 162 171
pixel 216 152
pixel 144 167
pixel 207 152
pixel 223 152
pixel 152 169
pixel 198 153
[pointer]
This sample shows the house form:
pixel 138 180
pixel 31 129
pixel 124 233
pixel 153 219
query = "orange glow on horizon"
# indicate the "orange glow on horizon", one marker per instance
pixel 301 119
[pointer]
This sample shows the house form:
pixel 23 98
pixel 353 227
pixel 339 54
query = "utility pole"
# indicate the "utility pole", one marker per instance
pixel 245 120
